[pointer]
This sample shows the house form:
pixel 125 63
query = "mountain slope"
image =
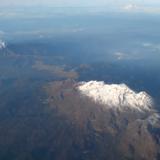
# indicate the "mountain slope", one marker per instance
pixel 101 132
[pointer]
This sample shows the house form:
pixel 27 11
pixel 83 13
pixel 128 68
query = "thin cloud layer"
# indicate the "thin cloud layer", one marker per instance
pixel 60 3
pixel 120 56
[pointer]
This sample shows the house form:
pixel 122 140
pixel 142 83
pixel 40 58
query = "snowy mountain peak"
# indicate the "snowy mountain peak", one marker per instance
pixel 118 96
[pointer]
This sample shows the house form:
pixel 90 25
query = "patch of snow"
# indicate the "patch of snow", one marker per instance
pixel 154 119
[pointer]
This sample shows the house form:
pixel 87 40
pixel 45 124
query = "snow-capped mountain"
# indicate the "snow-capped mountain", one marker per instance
pixel 118 96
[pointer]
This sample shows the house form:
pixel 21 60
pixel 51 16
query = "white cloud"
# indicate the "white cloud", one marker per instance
pixel 121 55
pixel 2 44
pixel 116 96
pixel 126 56
pixel 75 30
pixel 152 46
pixel 140 7
pixel 130 7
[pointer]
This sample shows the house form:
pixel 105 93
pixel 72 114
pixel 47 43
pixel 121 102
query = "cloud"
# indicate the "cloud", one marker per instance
pixel 126 56
pixel 140 7
pixel 152 46
pixel 75 30
pixel 121 55
pixel 77 2
pixel 130 7
pixel 2 44
pixel 116 96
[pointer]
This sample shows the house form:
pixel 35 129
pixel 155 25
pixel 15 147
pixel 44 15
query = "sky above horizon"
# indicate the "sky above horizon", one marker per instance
pixel 63 3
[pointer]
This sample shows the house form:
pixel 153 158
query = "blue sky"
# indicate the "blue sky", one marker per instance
pixel 79 2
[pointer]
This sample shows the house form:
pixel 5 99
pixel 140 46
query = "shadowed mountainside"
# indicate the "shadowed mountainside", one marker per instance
pixel 57 122
pixel 101 133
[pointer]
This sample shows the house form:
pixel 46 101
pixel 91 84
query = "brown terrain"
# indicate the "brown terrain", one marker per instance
pixel 99 133
pixel 58 123
pixel 58 71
